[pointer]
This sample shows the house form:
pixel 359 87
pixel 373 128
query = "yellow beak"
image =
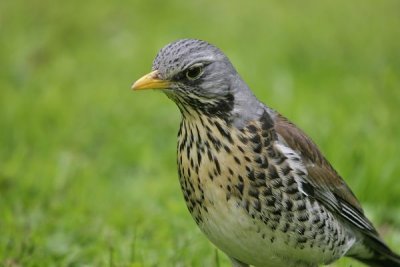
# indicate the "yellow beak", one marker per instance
pixel 150 81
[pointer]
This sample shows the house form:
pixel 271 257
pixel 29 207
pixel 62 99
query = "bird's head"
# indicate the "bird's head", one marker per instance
pixel 198 77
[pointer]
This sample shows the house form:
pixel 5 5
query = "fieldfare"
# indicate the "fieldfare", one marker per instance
pixel 256 185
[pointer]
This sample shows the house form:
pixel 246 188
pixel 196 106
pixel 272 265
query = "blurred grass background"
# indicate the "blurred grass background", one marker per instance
pixel 87 168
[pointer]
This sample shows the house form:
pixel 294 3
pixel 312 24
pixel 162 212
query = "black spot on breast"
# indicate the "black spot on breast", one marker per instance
pixel 250 175
pixel 322 224
pixel 211 176
pixel 291 190
pixel 240 186
pixel 252 128
pixel 191 163
pixel 217 144
pixel 205 208
pixel 217 166
pixel 301 239
pixel 188 152
pixel 281 159
pixel 257 205
pixel 210 157
pixel 198 157
pixel 273 173
pixel 256 139
pixel 257 148
pixel 277 183
pixel 289 205
pixel 301 206
pixel 314 235
pixel 270 201
pixel 271 153
pixel 264 164
pixel 285 228
pixel 267 191
pixel 301 230
pixel 253 192
pixel 290 181
pixel 258 183
pixel 273 226
pixel 258 160
pixel 243 139
pixel 223 132
pixel 302 217
pixel 227 149
pixel 286 170
pixel 289 217
pixel 266 122
pixel 277 212
pixel 261 176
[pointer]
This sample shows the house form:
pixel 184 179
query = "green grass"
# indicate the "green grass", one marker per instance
pixel 87 168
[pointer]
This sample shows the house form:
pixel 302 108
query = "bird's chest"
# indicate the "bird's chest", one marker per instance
pixel 215 164
pixel 244 194
pixel 207 167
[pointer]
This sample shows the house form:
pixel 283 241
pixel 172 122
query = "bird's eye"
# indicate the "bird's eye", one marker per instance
pixel 194 72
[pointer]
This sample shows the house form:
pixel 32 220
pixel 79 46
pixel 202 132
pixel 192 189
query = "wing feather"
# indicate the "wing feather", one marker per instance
pixel 329 188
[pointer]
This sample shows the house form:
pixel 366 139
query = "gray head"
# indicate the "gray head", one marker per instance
pixel 199 78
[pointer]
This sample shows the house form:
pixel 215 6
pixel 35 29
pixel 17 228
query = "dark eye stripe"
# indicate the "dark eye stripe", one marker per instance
pixel 178 77
pixel 197 68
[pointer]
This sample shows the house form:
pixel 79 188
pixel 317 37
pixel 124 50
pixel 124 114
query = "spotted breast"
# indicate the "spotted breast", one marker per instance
pixel 243 202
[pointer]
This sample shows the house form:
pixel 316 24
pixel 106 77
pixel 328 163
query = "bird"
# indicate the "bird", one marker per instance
pixel 256 185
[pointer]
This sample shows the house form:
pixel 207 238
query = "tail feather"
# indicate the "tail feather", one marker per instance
pixel 382 255
pixel 382 262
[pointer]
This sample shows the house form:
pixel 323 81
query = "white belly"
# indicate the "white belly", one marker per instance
pixel 231 230
pixel 229 226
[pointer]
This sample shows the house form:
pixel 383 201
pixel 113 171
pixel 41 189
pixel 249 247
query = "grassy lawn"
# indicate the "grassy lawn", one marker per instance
pixel 87 167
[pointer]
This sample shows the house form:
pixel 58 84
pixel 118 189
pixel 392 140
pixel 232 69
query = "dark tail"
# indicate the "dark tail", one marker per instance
pixel 383 262
pixel 383 256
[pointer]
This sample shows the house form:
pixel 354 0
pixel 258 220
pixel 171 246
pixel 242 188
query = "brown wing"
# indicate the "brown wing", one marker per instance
pixel 328 187
pixel 330 190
